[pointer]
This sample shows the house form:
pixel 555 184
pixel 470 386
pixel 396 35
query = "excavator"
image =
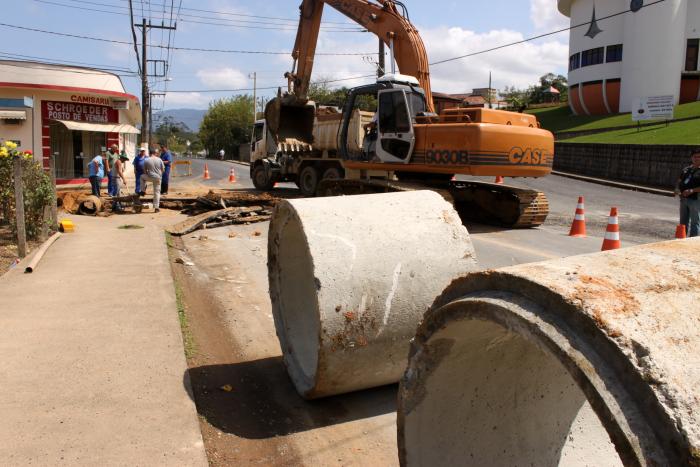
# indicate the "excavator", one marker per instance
pixel 411 146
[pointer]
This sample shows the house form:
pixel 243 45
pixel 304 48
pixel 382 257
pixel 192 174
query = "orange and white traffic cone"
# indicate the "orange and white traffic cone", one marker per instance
pixel 612 233
pixel 499 180
pixel 578 228
pixel 206 172
pixel 232 176
pixel 680 231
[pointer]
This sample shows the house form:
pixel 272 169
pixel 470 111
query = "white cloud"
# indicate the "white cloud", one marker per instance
pixel 546 17
pixel 226 78
pixel 519 65
pixel 193 100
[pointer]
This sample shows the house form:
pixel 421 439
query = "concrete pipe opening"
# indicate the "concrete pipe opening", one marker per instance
pixel 350 278
pixel 578 361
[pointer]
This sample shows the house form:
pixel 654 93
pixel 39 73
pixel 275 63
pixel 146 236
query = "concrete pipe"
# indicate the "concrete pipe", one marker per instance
pixel 89 205
pixel 589 360
pixel 350 278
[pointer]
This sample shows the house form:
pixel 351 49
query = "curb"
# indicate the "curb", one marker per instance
pixel 611 183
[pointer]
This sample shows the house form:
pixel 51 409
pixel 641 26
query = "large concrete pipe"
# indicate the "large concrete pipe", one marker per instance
pixel 350 278
pixel 589 360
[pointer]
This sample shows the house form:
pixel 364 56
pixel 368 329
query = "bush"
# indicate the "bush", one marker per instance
pixel 36 188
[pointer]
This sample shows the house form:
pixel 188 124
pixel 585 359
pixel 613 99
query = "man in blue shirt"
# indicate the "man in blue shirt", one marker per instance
pixel 167 159
pixel 97 172
pixel 138 167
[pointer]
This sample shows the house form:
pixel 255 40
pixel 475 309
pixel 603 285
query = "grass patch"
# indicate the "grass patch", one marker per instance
pixel 187 337
pixel 130 227
pixel 556 119
pixel 674 133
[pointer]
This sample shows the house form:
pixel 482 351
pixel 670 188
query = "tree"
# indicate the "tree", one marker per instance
pixel 322 94
pixel 536 93
pixel 227 124
pixel 175 135
pixel 516 98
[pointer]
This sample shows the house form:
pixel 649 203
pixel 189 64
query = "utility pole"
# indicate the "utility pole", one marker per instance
pixel 19 209
pixel 145 92
pixel 489 91
pixel 382 63
pixel 255 95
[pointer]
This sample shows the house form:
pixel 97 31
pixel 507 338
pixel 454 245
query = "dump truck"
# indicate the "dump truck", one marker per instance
pixel 293 160
pixel 411 146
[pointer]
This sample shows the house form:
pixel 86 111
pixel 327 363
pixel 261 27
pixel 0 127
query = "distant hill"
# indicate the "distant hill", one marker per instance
pixel 190 117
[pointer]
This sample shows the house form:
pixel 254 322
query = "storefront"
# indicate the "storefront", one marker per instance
pixel 71 113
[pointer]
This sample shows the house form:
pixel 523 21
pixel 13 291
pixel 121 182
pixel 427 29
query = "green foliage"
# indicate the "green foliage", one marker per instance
pixel 36 189
pixel 675 133
pixel 322 94
pixel 556 119
pixel 227 124
pixel 175 135
pixel 537 94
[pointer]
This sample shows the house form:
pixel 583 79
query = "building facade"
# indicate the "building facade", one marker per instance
pixel 70 112
pixel 631 49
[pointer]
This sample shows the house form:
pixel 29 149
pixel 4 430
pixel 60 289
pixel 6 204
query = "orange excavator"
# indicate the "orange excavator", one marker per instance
pixel 409 146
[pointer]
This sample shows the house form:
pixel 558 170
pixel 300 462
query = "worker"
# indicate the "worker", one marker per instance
pixel 138 167
pixel 167 159
pixel 153 169
pixel 112 157
pixel 222 153
pixel 117 173
pixel 97 172
pixel 688 187
pixel 370 141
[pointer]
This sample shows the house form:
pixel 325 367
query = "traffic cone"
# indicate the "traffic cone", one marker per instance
pixel 612 233
pixel 680 231
pixel 232 176
pixel 578 228
pixel 499 180
pixel 206 172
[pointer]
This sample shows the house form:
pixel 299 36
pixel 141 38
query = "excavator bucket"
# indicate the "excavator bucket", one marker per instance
pixel 289 117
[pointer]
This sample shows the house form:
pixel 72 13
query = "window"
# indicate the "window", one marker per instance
pixel 614 53
pixel 393 113
pixel 592 56
pixel 691 55
pixel 575 61
pixel 258 131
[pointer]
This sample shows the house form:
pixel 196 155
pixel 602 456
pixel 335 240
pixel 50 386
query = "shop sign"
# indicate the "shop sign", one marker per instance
pixel 91 100
pixel 78 112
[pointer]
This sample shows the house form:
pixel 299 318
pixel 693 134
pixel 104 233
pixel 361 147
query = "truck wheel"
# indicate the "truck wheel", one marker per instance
pixel 308 180
pixel 332 173
pixel 260 179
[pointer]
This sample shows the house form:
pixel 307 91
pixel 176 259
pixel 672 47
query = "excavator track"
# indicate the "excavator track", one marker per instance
pixel 486 203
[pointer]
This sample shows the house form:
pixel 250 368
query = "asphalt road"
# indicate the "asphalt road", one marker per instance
pixel 644 217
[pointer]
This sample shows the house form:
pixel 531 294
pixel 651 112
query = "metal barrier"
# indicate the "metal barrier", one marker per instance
pixel 176 164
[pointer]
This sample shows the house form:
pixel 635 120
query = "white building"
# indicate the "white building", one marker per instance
pixel 72 112
pixel 650 50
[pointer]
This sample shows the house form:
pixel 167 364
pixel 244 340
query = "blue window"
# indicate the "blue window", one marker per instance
pixel 592 56
pixel 575 61
pixel 614 53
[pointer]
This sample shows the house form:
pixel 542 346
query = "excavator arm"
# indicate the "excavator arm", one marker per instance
pixel 289 116
pixel 381 18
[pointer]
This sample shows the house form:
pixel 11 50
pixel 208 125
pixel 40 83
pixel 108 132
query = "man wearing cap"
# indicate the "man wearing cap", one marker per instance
pixel 138 167
pixel 153 169
pixel 687 188
pixel 167 159
pixel 112 157
pixel 117 172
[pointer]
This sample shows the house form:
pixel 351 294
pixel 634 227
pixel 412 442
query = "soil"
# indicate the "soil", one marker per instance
pixel 250 413
pixel 8 249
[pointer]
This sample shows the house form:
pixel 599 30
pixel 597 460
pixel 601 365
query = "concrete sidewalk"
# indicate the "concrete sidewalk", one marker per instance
pixel 92 368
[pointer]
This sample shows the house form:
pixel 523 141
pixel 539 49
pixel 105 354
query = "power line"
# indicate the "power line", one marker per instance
pixel 540 36
pixel 228 23
pixel 272 87
pixel 190 49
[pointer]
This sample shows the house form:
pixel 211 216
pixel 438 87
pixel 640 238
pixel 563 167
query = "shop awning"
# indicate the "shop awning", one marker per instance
pixel 100 127
pixel 13 114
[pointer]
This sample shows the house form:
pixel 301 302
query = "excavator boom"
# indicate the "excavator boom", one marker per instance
pixel 289 116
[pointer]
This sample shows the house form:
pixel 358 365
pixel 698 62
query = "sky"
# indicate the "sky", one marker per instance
pixel 449 28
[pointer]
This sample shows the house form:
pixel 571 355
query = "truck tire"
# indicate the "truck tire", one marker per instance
pixel 332 173
pixel 261 180
pixel 308 181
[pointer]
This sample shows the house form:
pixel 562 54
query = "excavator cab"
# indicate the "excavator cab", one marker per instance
pixel 399 100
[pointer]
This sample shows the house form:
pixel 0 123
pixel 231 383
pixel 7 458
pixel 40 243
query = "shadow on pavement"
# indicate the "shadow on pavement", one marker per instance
pixel 263 403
